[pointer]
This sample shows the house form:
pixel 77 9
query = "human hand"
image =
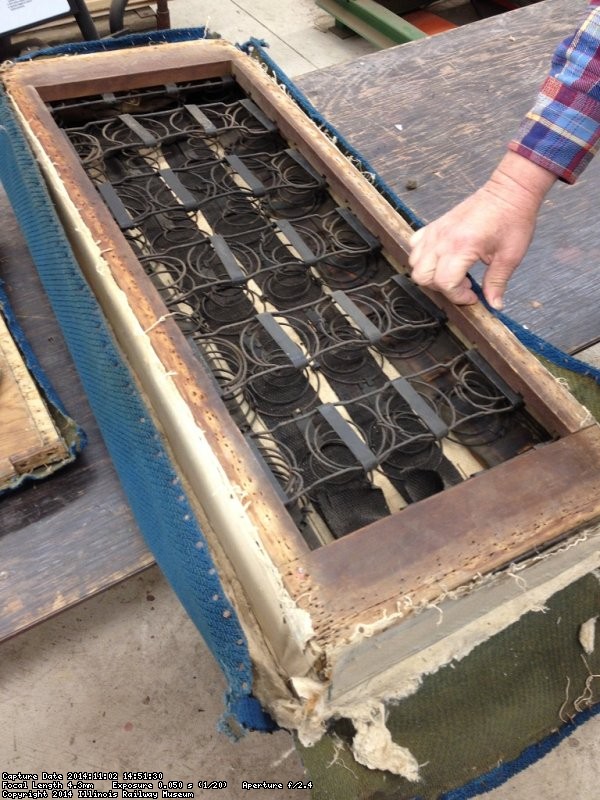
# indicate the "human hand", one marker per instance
pixel 494 225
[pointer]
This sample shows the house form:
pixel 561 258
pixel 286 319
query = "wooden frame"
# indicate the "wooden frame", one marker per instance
pixel 29 438
pixel 308 604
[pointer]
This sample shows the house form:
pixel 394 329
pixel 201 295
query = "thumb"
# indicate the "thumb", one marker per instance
pixel 416 237
pixel 495 281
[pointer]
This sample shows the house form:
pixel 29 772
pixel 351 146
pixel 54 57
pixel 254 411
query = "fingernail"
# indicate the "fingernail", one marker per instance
pixel 496 303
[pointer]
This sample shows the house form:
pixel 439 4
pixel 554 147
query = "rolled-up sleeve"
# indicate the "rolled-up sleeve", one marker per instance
pixel 562 131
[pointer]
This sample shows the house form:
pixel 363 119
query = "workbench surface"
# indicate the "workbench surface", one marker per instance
pixel 437 111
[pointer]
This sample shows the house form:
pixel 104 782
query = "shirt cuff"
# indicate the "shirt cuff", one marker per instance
pixel 561 131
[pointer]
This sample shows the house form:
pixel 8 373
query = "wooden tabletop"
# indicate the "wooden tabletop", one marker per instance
pixel 439 111
pixel 72 535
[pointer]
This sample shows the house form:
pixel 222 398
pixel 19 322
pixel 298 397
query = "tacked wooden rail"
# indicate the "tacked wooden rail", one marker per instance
pixel 433 546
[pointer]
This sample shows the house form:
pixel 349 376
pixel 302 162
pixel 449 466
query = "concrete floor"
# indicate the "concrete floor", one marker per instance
pixel 123 681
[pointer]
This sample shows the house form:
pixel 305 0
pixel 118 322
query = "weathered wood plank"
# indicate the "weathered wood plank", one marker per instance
pixel 29 438
pixel 88 74
pixel 445 541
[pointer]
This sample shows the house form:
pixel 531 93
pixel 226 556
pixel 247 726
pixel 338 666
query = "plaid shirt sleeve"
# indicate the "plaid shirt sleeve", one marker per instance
pixel 562 130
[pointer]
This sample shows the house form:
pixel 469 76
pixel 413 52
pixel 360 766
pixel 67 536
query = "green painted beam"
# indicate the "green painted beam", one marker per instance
pixel 373 21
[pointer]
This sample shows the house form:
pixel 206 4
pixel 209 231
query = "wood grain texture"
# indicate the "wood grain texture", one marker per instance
pixel 90 73
pixel 458 98
pixel 29 438
pixel 65 538
pixel 447 540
